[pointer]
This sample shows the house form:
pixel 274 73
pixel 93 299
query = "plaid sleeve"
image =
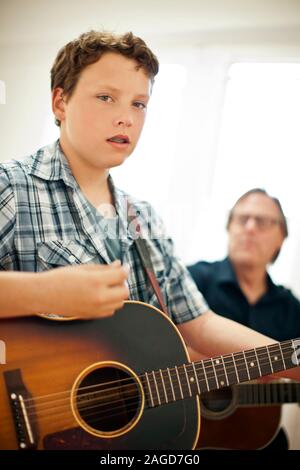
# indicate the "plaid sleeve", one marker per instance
pixel 7 221
pixel 184 301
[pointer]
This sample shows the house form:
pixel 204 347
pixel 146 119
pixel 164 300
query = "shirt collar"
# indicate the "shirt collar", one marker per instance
pixel 226 272
pixel 226 275
pixel 50 163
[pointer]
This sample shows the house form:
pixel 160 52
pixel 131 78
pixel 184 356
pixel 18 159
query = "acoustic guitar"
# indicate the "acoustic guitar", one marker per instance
pixel 245 416
pixel 120 382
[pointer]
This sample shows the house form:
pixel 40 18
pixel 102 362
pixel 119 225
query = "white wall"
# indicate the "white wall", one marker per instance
pixel 204 35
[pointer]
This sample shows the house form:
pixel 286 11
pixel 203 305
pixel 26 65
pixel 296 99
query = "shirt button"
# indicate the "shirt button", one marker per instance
pixel 72 259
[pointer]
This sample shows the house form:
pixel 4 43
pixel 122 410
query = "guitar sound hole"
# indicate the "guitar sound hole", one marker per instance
pixel 108 400
pixel 217 401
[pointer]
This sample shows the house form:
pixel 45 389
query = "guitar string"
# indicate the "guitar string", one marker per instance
pixel 50 416
pixel 132 383
pixel 70 421
pixel 90 421
pixel 133 387
pixel 131 407
pixel 128 408
pixel 207 368
pixel 212 377
pixel 110 396
pixel 96 416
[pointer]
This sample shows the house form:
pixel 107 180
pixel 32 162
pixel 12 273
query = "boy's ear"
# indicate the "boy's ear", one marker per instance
pixel 58 103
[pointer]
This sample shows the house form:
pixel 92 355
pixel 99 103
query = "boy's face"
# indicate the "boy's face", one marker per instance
pixel 102 120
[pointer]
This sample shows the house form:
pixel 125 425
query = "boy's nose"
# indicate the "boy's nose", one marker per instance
pixel 125 121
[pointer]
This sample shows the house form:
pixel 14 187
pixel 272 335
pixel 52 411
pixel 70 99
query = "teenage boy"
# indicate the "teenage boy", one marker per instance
pixel 53 203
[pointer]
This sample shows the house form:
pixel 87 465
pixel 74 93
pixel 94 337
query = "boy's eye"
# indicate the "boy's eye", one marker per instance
pixel 139 105
pixel 104 98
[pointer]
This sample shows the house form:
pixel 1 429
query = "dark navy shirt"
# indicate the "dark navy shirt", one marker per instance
pixel 275 314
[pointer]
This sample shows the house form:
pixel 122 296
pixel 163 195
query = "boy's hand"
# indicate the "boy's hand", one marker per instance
pixel 85 291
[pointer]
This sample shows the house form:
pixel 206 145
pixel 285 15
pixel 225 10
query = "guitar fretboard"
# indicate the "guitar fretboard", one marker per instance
pixel 269 393
pixel 177 383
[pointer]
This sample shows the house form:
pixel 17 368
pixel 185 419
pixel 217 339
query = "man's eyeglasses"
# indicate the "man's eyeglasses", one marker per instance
pixel 262 222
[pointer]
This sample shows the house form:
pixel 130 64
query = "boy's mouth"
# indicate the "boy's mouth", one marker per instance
pixel 119 139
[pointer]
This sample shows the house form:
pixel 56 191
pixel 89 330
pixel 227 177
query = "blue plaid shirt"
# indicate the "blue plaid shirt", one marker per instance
pixel 46 222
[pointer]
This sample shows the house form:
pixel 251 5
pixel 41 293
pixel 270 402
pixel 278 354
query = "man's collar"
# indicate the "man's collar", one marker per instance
pixel 227 275
pixel 226 272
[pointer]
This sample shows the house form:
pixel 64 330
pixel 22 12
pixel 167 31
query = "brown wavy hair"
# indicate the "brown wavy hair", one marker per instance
pixel 88 48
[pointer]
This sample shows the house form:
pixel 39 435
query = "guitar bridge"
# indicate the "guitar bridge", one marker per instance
pixel 26 430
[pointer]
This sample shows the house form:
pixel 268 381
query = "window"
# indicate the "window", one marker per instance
pixel 260 146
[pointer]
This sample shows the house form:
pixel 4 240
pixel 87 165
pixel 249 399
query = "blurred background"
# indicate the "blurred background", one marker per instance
pixel 224 115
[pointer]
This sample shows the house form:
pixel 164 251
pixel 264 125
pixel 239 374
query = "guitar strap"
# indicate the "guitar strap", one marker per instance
pixel 145 256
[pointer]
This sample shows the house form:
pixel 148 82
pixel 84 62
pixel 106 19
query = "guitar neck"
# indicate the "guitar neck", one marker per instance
pixel 180 382
pixel 269 393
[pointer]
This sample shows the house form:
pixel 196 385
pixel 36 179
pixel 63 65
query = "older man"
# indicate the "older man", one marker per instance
pixel 239 287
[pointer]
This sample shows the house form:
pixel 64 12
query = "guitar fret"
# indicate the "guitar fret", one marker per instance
pixel 163 383
pixel 268 393
pixel 289 354
pixel 220 372
pixel 282 355
pixel 193 384
pixel 167 385
pixel 227 381
pixel 255 389
pixel 240 362
pixel 248 394
pixel 290 397
pixel 205 375
pixel 275 354
pixel 264 361
pixel 179 382
pixel 242 394
pixel 217 382
pixel 270 359
pixel 202 373
pixel 282 393
pixel 196 377
pixel 252 365
pixel 287 392
pixel 258 363
pixel 210 374
pixel 235 369
pixel 171 383
pixel 156 388
pixel 274 393
pixel 187 380
pixel 296 354
pixel 246 365
pixel 297 392
pixel 230 372
pixel 149 388
pixel 262 398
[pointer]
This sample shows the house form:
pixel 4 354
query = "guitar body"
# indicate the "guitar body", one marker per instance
pixel 247 428
pixel 51 364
